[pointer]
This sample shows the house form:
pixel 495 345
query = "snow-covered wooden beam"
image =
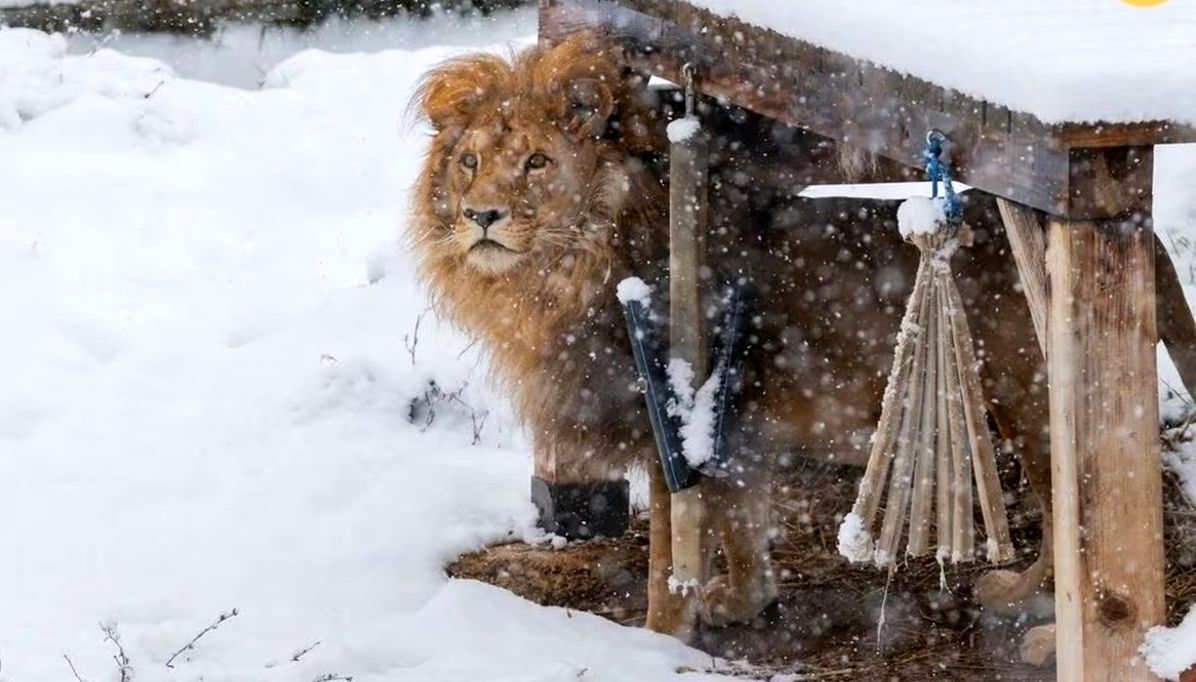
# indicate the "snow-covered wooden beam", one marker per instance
pixel 1062 169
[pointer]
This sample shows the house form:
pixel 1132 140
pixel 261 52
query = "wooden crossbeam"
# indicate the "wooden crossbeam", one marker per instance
pixel 1003 152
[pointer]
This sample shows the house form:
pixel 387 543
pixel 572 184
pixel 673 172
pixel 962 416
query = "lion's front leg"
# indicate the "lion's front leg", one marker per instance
pixel 741 518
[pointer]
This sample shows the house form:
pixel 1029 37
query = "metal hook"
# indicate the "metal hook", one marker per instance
pixel 689 73
pixel 935 135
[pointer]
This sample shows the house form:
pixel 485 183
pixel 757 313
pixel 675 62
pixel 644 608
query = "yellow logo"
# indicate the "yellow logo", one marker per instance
pixel 1144 3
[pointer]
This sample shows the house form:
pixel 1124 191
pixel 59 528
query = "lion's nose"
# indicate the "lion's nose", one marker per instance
pixel 484 219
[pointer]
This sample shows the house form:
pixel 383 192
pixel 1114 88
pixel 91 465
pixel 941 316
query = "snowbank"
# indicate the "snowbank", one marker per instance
pixel 1172 651
pixel 222 390
pixel 1065 60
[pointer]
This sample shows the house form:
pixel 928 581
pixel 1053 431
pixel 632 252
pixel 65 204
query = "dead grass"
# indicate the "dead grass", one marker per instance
pixel 824 625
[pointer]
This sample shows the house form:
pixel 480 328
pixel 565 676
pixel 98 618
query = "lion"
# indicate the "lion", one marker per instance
pixel 542 189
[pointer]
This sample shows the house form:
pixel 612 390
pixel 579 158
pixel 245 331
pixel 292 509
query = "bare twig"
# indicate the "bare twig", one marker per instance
pixel 191 645
pixel 411 341
pixel 478 424
pixel 303 652
pixel 300 653
pixel 121 658
pixel 469 346
pixel 73 671
pixel 155 90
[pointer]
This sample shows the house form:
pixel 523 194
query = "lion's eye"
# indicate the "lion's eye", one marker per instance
pixel 537 161
pixel 469 160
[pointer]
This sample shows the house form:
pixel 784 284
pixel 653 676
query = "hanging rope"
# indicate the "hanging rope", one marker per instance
pixel 941 173
pixel 932 441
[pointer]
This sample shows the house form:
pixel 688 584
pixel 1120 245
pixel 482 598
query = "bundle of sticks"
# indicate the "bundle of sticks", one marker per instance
pixel 933 439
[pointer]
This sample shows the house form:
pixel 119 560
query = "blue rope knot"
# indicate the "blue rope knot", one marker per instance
pixel 939 172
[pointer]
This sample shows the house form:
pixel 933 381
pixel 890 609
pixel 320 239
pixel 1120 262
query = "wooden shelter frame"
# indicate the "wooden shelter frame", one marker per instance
pixel 1076 201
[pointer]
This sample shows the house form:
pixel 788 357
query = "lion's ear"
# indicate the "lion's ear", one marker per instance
pixel 580 79
pixel 452 93
pixel 589 106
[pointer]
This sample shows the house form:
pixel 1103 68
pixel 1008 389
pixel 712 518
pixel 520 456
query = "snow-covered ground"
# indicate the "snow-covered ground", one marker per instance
pixel 207 388
pixel 209 363
pixel 242 54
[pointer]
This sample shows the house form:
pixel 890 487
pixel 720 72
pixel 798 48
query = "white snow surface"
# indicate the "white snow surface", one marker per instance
pixel 1064 60
pixel 208 392
pixel 683 129
pixel 1171 651
pixel 921 215
pixel 855 542
pixel 695 409
pixel 634 289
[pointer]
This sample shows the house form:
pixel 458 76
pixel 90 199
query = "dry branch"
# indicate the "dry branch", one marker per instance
pixel 73 671
pixel 189 646
pixel 122 659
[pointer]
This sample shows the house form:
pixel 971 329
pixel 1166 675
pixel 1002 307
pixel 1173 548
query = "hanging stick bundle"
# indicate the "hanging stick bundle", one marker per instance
pixel 932 441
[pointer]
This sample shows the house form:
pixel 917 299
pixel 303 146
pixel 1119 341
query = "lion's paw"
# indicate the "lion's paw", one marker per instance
pixel 997 588
pixel 725 604
pixel 1038 645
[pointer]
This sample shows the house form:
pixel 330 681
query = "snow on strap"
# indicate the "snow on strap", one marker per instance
pixel 695 409
pixel 634 289
pixel 1171 651
pixel 683 129
pixel 1063 60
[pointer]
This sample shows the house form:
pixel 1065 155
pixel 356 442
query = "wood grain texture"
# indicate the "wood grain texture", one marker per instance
pixel 1104 446
pixel 688 214
pixel 1028 243
pixel 1177 328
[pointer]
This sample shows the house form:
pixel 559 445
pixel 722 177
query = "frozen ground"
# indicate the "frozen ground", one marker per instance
pixel 207 386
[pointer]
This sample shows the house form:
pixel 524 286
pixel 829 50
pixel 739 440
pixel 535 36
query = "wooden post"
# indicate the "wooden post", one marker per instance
pixel 1104 446
pixel 687 224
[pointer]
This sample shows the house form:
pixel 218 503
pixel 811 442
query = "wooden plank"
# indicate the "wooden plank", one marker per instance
pixel 1027 242
pixel 1104 447
pixel 1003 152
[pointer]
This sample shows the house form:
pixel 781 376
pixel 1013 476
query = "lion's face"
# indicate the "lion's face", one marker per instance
pixel 521 170
pixel 515 188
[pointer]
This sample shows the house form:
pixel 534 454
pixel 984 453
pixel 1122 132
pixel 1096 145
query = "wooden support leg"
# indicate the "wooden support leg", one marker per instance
pixel 1104 447
pixel 575 506
pixel 668 613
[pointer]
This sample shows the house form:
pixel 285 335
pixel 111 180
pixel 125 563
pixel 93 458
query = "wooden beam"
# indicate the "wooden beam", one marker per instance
pixel 1029 253
pixel 1177 328
pixel 854 102
pixel 1106 469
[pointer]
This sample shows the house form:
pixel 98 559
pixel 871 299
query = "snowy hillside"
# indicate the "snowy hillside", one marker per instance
pixel 207 386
